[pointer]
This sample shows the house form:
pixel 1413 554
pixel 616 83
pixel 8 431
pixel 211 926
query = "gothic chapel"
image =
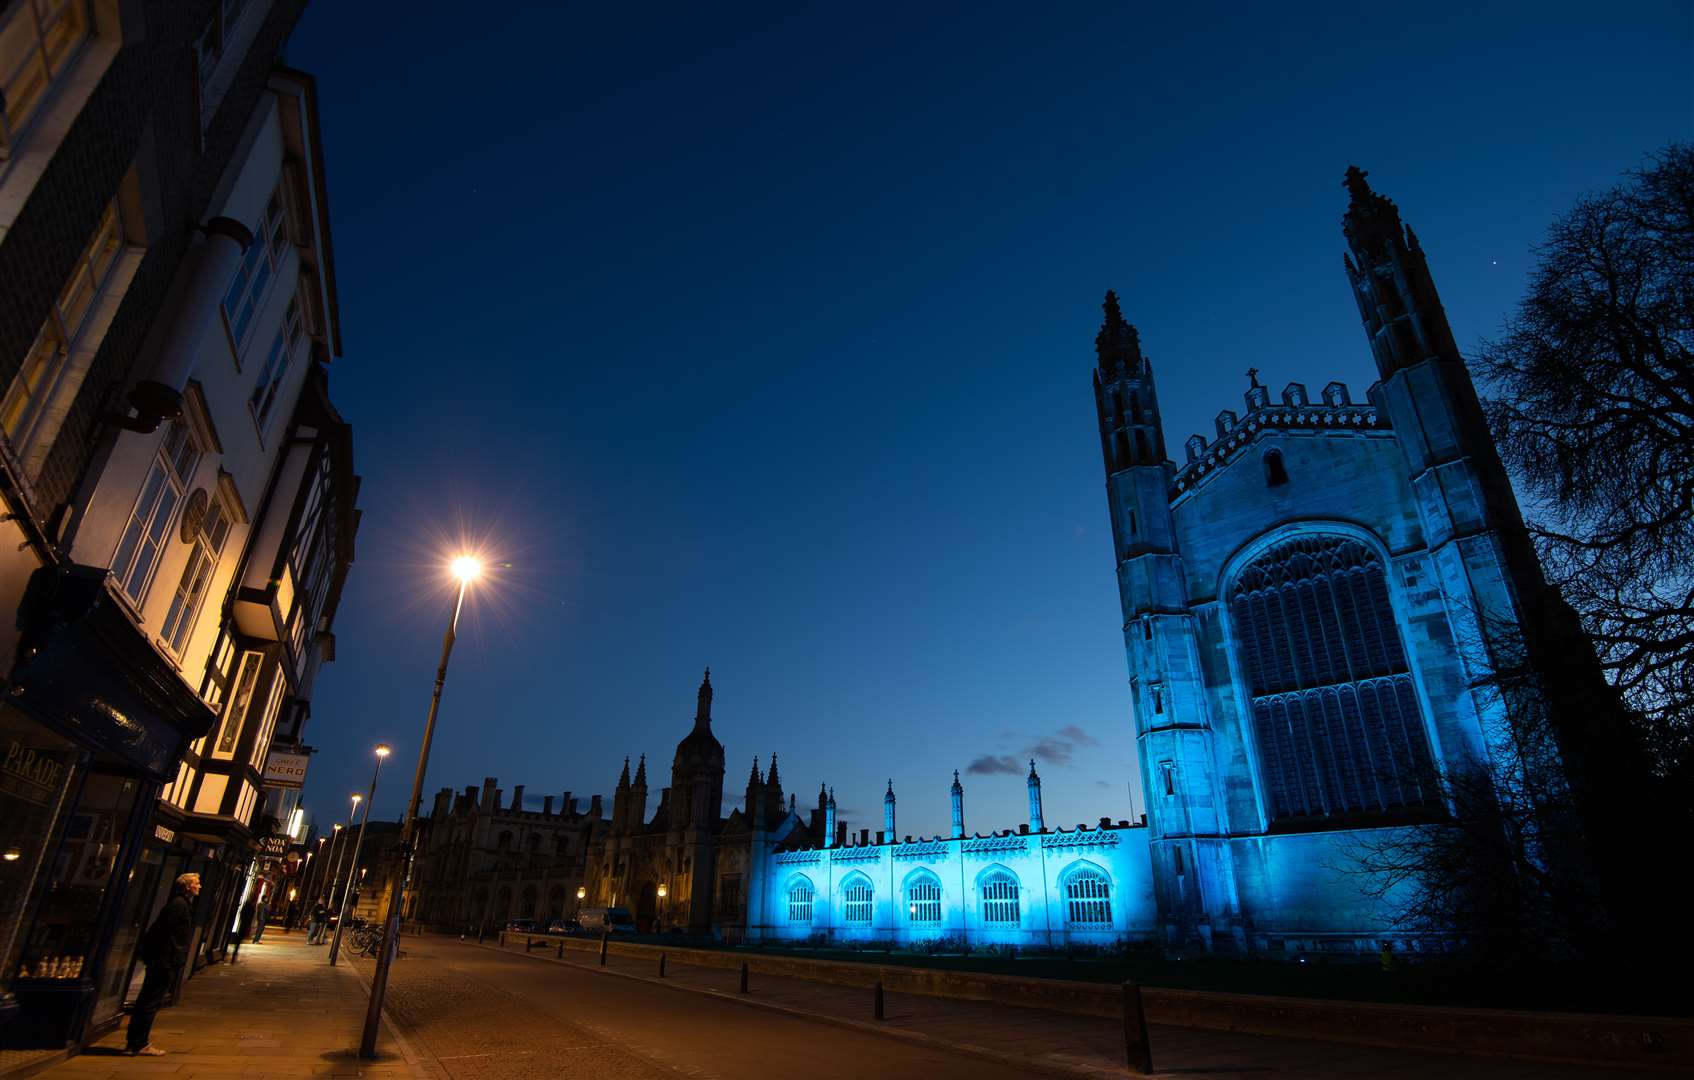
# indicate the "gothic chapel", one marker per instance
pixel 1311 600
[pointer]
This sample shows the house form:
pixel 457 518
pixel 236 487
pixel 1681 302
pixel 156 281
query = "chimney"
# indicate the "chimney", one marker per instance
pixel 488 794
pixel 547 806
pixel 595 808
pixel 864 837
pixel 567 805
pixel 517 799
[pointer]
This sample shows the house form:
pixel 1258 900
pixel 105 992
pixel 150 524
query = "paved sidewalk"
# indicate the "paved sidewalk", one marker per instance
pixel 1060 1044
pixel 281 1012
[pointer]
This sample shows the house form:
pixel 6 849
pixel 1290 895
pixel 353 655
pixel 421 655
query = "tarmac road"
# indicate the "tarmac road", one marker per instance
pixel 486 1015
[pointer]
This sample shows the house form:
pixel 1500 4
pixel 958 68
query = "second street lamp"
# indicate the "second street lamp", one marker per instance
pixel 358 844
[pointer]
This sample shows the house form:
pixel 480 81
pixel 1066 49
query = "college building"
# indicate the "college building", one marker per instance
pixel 179 494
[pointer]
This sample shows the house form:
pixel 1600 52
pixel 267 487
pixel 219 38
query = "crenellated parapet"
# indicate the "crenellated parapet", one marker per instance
pixel 1294 414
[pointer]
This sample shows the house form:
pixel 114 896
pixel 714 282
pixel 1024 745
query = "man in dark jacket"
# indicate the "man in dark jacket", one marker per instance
pixel 164 949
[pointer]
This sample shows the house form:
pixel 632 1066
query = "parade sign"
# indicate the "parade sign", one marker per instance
pixel 286 769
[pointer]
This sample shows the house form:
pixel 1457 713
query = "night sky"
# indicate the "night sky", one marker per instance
pixel 761 338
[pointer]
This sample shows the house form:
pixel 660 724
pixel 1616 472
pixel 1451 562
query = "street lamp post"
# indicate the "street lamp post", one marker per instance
pixel 581 895
pixel 326 887
pixel 358 844
pixel 466 570
pixel 351 814
pixel 663 906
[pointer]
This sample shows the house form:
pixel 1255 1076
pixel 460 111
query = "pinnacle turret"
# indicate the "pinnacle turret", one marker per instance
pixel 623 779
pixel 640 771
pixel 1118 344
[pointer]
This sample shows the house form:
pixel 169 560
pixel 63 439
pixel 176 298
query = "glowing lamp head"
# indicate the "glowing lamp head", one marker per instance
pixel 581 893
pixel 467 568
pixel 357 798
pixel 382 750
pixel 663 892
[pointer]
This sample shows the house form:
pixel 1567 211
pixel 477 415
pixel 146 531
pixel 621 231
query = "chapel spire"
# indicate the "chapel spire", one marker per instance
pixel 1402 312
pixel 1118 344
pixel 1124 400
pixel 703 705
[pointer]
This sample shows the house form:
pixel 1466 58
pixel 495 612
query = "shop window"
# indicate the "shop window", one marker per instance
pixel 67 926
pixel 36 770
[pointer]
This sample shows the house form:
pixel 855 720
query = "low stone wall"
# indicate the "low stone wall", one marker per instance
pixel 1636 1042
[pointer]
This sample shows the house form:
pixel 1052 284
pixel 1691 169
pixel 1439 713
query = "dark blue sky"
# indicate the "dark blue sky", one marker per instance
pixel 761 338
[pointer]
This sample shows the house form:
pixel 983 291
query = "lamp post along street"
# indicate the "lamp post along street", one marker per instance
pixel 351 814
pixel 358 845
pixel 465 569
pixel 327 885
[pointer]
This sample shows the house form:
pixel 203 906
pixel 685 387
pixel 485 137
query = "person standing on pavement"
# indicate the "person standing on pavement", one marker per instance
pixel 314 924
pixel 260 914
pixel 164 949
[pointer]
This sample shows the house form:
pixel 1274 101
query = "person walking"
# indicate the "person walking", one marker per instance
pixel 260 915
pixel 315 924
pixel 164 949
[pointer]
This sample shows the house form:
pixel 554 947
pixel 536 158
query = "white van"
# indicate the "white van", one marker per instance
pixel 597 920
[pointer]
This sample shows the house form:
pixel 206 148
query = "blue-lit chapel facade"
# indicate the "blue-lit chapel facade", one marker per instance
pixel 1313 601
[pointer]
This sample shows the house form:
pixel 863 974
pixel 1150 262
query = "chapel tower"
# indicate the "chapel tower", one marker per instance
pixel 696 804
pixel 1172 720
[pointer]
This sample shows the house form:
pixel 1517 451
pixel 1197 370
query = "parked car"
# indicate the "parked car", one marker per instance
pixel 616 920
pixel 564 926
pixel 521 926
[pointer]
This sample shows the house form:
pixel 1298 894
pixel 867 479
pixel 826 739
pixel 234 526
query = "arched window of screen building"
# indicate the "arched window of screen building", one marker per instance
pixel 1335 719
pixel 923 898
pixel 1088 898
pixel 800 901
pixel 998 890
pixel 856 901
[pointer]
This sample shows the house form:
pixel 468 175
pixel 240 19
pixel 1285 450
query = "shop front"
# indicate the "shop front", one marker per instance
pixel 93 723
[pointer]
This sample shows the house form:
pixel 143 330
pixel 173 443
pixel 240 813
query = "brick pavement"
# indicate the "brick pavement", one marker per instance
pixel 281 1013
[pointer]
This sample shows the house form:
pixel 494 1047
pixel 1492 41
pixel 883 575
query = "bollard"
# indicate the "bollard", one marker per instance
pixel 1136 1047
pixel 604 937
pixel 479 930
pixel 661 965
pixel 561 955
pixel 743 976
pixel 878 999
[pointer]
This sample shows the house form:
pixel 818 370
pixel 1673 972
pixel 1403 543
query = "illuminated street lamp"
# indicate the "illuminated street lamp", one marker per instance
pixel 663 892
pixel 466 569
pixel 347 893
pixel 327 886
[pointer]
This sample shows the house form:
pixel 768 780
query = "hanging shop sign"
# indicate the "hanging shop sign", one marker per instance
pixel 286 769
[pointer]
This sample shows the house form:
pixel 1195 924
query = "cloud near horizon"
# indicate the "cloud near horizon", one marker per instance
pixel 1056 749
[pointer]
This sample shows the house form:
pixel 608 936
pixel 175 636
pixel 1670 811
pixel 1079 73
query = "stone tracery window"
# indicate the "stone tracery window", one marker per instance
pixel 1088 899
pixel 923 899
pixel 999 892
pixel 1335 717
pixel 856 902
pixel 800 902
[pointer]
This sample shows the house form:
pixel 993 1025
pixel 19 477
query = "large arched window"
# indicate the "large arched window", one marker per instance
pixel 1088 898
pixel 800 901
pixel 998 890
pixel 856 900
pixel 1335 718
pixel 923 897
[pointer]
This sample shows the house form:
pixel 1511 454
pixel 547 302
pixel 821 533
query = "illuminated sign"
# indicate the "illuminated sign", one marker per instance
pixel 286 769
